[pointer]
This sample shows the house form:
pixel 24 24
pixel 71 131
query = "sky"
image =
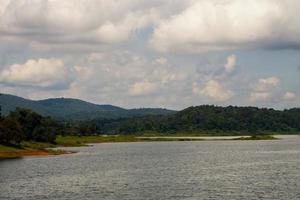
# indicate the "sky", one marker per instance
pixel 158 53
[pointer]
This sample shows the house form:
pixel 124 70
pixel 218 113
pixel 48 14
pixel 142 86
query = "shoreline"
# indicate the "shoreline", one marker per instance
pixel 12 152
pixel 46 149
pixel 27 153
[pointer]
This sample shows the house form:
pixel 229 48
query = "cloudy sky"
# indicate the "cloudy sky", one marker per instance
pixel 158 53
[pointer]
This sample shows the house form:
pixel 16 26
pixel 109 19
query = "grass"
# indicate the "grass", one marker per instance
pixel 258 137
pixel 82 141
pixel 191 134
pixel 213 133
pixel 36 148
pixel 4 149
pixel 68 141
pixel 28 149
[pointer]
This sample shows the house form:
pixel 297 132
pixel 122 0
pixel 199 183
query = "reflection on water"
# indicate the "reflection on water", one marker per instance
pixel 161 170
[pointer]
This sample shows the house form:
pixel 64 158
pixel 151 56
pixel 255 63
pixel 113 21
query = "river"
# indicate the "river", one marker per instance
pixel 159 170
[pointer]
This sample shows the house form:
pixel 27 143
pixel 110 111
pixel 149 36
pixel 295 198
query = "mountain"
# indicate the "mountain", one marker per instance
pixel 74 109
pixel 113 119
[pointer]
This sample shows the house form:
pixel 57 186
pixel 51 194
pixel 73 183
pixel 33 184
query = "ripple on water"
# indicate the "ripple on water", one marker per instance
pixel 162 170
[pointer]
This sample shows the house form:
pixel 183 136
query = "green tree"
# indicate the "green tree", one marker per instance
pixel 10 131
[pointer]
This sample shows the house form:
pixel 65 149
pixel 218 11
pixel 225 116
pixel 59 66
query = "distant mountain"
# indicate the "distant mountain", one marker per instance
pixel 74 109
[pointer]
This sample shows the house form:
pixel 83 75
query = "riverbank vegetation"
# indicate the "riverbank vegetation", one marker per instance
pixel 24 132
pixel 25 125
pixel 33 148
pixel 28 149
pixel 203 119
pixel 258 137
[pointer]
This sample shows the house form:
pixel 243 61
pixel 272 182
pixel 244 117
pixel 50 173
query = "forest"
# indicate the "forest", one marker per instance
pixel 209 118
pixel 24 124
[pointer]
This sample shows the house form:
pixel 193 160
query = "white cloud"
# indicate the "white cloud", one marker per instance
pixel 75 21
pixel 38 73
pixel 231 63
pixel 268 83
pixel 289 96
pixel 127 78
pixel 214 90
pixel 117 32
pixel 83 71
pixel 260 96
pixel 123 67
pixel 142 88
pixel 179 25
pixel 45 25
pixel 161 61
pixel 212 25
pixel 264 89
pixel 131 79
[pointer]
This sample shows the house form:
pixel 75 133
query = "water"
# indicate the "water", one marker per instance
pixel 159 170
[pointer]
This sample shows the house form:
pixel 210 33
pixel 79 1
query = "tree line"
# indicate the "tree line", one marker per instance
pixel 26 125
pixel 209 118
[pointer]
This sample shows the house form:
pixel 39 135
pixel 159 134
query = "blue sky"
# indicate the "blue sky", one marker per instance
pixel 160 53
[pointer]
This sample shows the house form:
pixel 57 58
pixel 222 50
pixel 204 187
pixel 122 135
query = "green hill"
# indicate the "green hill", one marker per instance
pixel 74 109
pixel 208 118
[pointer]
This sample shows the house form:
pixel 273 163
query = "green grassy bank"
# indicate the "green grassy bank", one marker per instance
pixel 28 149
pixel 42 149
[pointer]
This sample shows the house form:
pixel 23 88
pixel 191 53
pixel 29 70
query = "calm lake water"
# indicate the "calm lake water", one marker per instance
pixel 159 170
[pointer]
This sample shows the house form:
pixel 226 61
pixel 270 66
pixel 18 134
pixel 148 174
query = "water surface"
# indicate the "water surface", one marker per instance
pixel 159 170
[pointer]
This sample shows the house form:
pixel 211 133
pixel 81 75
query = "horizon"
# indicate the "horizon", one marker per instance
pixel 158 54
pixel 177 110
